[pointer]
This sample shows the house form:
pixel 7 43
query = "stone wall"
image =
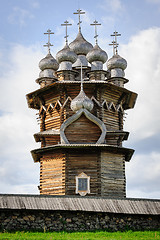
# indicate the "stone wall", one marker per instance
pixel 14 220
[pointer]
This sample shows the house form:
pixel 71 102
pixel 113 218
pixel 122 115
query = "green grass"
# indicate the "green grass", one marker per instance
pixel 98 235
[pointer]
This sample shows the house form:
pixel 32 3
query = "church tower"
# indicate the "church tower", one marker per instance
pixel 81 112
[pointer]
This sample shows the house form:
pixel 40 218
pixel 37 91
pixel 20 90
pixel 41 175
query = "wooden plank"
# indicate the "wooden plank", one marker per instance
pixel 52 173
pixel 112 175
pixel 76 163
pixel 40 202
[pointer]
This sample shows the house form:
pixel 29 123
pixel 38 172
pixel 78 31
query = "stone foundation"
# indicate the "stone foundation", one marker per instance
pixel 43 220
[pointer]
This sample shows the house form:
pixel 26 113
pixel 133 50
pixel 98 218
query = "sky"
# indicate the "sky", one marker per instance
pixel 21 48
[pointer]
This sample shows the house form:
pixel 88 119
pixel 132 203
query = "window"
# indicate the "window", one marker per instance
pixel 82 184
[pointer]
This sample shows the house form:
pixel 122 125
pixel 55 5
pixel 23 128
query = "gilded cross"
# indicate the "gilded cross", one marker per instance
pixel 49 32
pixel 115 35
pixel 66 23
pixel 79 12
pixel 95 23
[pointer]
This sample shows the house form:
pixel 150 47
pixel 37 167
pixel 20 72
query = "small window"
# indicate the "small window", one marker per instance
pixel 82 184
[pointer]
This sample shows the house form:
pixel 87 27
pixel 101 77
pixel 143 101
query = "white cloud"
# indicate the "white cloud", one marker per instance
pixel 143 57
pixel 19 77
pixel 20 16
pixel 143 174
pixel 19 189
pixel 17 122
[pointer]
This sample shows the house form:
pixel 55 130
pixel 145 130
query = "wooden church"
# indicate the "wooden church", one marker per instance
pixel 81 113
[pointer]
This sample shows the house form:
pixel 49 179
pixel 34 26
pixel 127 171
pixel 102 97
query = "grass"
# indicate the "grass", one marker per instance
pixel 97 235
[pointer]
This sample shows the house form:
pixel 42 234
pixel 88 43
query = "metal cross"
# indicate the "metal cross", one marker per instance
pixel 49 32
pixel 79 12
pixel 115 45
pixel 66 23
pixel 116 34
pixel 95 23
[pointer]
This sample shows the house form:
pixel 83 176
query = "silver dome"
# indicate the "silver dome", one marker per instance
pixel 49 62
pixel 117 62
pixel 97 54
pixel 49 73
pixel 66 55
pixel 80 46
pixel 81 101
pixel 81 60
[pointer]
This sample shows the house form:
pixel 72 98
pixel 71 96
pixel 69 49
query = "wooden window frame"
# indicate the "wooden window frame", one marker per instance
pixel 83 176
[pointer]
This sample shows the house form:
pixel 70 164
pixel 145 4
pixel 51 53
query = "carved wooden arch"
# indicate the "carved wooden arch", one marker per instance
pixel 88 115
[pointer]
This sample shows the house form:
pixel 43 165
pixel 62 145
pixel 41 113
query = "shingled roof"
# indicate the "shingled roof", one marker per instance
pixel 72 203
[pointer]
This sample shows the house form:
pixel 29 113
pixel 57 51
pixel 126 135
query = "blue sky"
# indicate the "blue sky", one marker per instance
pixel 21 48
pixel 24 21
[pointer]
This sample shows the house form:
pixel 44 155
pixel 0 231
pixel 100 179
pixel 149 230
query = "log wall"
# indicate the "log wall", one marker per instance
pixel 112 140
pixel 53 140
pixel 52 174
pixel 106 170
pixel 78 162
pixel 112 119
pixel 53 118
pixel 51 97
pixel 83 131
pixel 112 175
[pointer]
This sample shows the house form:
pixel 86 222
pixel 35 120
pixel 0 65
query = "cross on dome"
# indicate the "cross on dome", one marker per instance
pixel 49 32
pixel 95 23
pixel 81 78
pixel 66 23
pixel 79 12
pixel 115 44
pixel 81 101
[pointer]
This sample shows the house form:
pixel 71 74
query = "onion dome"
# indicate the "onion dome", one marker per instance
pixel 97 54
pixel 117 62
pixel 117 65
pixel 81 101
pixel 49 62
pixel 80 45
pixel 66 55
pixel 48 65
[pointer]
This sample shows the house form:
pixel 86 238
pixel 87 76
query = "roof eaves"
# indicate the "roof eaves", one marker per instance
pixel 37 153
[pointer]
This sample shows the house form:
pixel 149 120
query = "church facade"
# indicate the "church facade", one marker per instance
pixel 81 109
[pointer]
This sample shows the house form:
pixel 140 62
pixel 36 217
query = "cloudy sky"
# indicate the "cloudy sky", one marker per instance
pixel 21 48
